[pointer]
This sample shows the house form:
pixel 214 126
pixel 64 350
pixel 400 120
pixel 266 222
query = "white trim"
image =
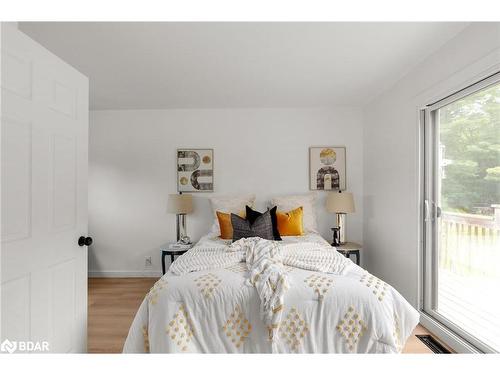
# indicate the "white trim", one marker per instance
pixel 149 273
pixel 466 91
pixel 445 335
pixel 457 81
pixel 420 207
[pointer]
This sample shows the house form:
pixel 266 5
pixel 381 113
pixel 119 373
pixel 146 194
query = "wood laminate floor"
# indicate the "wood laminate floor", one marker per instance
pixel 113 302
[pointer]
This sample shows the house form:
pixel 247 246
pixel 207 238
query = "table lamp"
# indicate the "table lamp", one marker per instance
pixel 341 204
pixel 180 204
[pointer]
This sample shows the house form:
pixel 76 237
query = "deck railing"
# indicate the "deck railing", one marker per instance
pixel 470 244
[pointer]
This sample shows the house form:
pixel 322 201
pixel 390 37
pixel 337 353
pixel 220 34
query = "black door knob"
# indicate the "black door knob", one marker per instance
pixel 85 241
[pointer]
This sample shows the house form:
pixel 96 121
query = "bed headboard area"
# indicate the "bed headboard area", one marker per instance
pixel 133 169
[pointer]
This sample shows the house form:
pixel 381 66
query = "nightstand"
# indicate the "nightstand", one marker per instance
pixel 350 248
pixel 167 249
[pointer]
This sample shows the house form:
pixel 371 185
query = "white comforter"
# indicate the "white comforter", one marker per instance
pixel 298 295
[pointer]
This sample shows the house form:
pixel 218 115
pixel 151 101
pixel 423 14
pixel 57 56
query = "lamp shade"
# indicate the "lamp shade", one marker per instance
pixel 340 203
pixel 180 203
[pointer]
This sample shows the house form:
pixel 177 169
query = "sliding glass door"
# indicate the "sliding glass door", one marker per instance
pixel 462 213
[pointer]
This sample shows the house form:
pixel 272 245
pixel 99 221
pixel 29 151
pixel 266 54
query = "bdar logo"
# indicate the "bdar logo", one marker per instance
pixel 8 346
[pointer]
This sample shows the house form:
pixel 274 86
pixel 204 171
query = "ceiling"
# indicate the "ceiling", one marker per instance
pixel 200 65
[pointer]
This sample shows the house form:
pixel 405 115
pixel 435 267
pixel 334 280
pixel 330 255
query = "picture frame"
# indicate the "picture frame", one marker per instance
pixel 327 168
pixel 195 170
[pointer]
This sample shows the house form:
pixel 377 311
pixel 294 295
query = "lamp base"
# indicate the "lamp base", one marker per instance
pixel 182 236
pixel 341 223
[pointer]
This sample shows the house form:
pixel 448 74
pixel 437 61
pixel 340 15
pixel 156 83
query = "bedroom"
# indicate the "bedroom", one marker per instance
pixel 305 187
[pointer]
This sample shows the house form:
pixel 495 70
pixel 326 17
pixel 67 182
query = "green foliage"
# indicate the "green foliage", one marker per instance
pixel 493 174
pixel 470 133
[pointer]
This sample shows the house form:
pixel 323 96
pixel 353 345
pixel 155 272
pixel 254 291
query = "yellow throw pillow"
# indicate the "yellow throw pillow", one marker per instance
pixel 226 228
pixel 290 223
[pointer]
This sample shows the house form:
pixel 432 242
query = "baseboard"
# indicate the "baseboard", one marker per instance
pixel 145 273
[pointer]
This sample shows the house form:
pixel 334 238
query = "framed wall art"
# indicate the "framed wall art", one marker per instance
pixel 195 170
pixel 327 168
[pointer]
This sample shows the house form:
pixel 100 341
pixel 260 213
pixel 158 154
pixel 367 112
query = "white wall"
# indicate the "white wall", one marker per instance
pixel 391 152
pixel 262 151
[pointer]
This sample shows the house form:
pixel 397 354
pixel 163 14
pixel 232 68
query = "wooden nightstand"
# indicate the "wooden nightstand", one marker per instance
pixel 167 249
pixel 350 248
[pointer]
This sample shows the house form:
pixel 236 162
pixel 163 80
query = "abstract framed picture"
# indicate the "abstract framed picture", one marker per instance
pixel 195 170
pixel 327 168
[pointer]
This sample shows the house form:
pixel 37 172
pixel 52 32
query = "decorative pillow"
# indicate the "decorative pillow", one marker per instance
pixel 252 215
pixel 226 228
pixel 262 227
pixel 229 204
pixel 290 223
pixel 306 201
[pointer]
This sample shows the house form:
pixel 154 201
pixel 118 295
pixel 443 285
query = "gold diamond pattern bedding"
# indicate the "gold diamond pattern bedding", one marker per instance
pixel 213 303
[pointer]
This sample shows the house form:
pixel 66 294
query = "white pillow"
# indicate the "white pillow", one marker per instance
pixel 229 204
pixel 308 203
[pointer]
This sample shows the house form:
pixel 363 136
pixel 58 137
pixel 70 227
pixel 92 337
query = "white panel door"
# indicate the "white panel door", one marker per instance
pixel 44 120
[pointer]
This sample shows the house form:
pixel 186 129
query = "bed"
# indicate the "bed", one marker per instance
pixel 298 295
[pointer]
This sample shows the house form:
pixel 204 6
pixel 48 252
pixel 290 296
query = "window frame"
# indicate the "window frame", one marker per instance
pixel 429 180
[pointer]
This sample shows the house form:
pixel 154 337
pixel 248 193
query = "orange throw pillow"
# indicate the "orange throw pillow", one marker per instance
pixel 290 223
pixel 226 228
